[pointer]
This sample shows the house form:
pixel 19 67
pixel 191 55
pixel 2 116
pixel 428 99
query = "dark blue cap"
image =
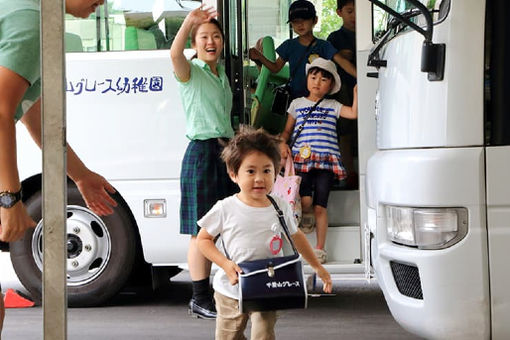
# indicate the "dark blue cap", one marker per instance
pixel 301 9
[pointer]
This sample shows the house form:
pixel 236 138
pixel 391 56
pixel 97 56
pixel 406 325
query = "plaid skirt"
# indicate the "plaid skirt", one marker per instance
pixel 323 161
pixel 204 181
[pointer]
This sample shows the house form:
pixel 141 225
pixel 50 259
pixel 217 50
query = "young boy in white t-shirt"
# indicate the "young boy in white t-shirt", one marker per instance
pixel 248 222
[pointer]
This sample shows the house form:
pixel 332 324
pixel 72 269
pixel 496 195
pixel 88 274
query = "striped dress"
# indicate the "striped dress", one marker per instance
pixel 319 136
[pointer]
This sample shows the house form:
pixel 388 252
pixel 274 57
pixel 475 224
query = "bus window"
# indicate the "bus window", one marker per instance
pixel 122 25
pixel 268 18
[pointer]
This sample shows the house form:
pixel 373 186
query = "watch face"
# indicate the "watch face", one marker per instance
pixel 7 200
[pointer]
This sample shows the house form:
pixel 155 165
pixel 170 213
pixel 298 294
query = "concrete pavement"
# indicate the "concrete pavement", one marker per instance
pixel 357 312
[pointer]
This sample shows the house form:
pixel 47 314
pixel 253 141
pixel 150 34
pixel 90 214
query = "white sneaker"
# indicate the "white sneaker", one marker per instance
pixel 307 224
pixel 321 254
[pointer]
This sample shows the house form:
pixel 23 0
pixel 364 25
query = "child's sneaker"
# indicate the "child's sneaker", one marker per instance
pixel 307 224
pixel 321 254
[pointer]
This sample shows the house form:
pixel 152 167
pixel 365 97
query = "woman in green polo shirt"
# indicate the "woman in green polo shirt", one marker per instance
pixel 207 101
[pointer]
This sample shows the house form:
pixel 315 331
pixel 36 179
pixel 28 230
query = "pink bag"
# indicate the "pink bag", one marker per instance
pixel 287 188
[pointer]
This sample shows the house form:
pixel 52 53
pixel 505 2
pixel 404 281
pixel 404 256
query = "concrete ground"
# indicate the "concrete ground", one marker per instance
pixel 357 311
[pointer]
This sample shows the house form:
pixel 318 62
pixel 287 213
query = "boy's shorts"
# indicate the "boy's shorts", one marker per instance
pixel 231 323
pixel 318 182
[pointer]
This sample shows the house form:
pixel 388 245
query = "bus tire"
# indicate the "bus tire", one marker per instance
pixel 100 252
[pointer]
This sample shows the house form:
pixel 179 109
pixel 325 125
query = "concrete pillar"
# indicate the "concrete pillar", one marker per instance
pixel 54 165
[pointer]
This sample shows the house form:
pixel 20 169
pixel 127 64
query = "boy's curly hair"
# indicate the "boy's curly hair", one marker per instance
pixel 246 141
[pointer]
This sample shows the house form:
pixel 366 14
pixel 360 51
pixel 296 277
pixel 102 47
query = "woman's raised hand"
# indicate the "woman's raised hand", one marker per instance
pixel 201 14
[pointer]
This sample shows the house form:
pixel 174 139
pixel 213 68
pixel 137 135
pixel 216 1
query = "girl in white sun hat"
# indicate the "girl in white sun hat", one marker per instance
pixel 311 128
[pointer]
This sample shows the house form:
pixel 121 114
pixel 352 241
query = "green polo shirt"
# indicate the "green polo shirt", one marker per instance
pixel 19 45
pixel 207 102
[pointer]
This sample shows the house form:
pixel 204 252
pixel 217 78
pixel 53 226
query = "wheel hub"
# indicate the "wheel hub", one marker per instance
pixel 74 246
pixel 88 245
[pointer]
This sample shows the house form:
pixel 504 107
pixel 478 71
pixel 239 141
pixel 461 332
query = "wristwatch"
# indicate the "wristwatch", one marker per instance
pixel 8 199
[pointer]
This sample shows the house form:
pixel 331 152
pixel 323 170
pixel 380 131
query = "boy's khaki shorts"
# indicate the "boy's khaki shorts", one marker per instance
pixel 231 323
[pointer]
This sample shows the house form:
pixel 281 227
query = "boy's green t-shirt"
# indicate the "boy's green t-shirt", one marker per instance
pixel 20 45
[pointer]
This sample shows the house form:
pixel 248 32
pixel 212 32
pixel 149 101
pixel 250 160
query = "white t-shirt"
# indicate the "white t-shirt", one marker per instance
pixel 246 231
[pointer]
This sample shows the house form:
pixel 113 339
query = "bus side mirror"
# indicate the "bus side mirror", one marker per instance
pixel 432 60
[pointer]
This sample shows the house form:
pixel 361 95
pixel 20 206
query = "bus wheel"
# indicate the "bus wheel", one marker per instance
pixel 100 252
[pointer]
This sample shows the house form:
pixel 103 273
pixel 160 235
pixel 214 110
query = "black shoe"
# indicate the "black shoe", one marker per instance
pixel 201 312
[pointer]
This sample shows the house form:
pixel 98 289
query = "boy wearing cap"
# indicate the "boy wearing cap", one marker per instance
pixel 344 40
pixel 315 151
pixel 303 49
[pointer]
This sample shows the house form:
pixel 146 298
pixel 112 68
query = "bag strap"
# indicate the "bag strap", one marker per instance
pixel 300 60
pixel 282 222
pixel 225 249
pixel 302 126
pixel 289 168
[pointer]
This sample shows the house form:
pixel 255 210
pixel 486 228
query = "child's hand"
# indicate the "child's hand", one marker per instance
pixel 254 54
pixel 284 150
pixel 326 279
pixel 201 15
pixel 232 270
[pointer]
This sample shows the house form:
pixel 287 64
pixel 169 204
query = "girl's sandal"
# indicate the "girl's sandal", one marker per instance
pixel 321 254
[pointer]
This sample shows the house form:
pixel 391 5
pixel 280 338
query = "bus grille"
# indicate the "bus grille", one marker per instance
pixel 407 279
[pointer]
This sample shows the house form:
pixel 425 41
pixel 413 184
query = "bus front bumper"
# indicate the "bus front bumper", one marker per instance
pixel 443 293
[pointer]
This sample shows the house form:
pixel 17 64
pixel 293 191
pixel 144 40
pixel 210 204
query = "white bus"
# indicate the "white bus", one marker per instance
pixel 431 212
pixel 125 120
pixel 438 186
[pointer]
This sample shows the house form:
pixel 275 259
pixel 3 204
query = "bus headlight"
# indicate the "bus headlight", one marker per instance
pixel 426 228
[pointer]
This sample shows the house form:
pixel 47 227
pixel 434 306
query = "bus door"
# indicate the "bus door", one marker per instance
pixel 246 23
pixel 233 22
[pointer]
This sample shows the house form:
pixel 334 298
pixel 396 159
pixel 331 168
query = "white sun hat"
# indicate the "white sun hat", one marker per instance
pixel 329 66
